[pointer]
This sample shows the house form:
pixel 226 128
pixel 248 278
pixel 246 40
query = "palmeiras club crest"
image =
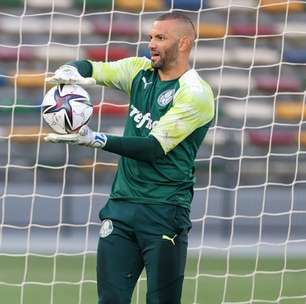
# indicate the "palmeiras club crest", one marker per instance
pixel 106 228
pixel 165 97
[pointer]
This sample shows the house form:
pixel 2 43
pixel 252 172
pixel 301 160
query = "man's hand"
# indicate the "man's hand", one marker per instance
pixel 68 74
pixel 85 137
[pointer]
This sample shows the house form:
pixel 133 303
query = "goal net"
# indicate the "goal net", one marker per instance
pixel 248 240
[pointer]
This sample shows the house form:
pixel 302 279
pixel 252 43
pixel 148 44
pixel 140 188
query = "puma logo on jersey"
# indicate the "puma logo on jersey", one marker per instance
pixel 168 238
pixel 142 119
pixel 145 82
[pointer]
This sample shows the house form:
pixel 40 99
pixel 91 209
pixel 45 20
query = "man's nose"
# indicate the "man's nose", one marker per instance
pixel 152 45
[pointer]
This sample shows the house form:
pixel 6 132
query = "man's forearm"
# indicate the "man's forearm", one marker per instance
pixel 139 148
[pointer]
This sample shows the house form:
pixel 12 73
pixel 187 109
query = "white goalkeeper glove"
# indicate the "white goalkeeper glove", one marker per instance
pixel 68 74
pixel 85 137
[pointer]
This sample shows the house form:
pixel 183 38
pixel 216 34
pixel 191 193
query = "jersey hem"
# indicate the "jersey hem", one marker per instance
pixel 137 200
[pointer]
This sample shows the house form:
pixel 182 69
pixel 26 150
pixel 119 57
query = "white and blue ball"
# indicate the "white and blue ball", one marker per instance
pixel 66 108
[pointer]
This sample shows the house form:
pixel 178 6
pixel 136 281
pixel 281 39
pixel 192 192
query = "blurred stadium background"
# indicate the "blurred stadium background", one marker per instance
pixel 248 239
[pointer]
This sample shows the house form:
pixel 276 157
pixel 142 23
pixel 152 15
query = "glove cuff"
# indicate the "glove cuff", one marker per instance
pixel 99 141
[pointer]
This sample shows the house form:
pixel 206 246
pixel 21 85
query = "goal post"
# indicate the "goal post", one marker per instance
pixel 248 238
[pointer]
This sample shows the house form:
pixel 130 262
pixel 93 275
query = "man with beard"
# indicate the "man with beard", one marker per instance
pixel 145 222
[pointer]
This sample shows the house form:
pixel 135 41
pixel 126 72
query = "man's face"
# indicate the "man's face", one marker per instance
pixel 163 44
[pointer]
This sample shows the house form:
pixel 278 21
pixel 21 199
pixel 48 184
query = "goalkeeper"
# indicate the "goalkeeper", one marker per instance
pixel 145 222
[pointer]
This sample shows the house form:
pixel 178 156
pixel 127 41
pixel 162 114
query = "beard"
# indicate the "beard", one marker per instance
pixel 158 64
pixel 167 59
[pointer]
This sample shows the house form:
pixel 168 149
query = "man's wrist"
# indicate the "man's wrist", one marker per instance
pixel 99 140
pixel 84 67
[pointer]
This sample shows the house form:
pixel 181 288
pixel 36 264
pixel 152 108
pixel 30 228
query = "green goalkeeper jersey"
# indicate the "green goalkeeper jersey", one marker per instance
pixel 176 112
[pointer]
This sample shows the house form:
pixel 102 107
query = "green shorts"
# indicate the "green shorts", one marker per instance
pixel 134 236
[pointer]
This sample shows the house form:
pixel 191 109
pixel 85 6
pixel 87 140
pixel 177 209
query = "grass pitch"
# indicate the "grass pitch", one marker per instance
pixel 70 280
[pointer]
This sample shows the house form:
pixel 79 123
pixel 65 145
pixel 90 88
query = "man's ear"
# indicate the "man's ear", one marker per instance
pixel 185 43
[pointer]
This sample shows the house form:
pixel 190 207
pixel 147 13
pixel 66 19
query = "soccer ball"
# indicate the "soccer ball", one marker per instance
pixel 66 108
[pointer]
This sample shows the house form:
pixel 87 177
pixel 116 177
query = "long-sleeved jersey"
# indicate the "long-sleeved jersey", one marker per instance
pixel 176 112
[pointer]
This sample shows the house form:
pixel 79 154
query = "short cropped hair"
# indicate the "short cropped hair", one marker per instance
pixel 177 16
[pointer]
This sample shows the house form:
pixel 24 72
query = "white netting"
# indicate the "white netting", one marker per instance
pixel 249 233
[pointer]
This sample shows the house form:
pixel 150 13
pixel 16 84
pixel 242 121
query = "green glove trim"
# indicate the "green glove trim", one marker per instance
pixel 84 67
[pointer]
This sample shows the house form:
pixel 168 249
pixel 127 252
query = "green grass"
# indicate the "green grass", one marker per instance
pixel 57 280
